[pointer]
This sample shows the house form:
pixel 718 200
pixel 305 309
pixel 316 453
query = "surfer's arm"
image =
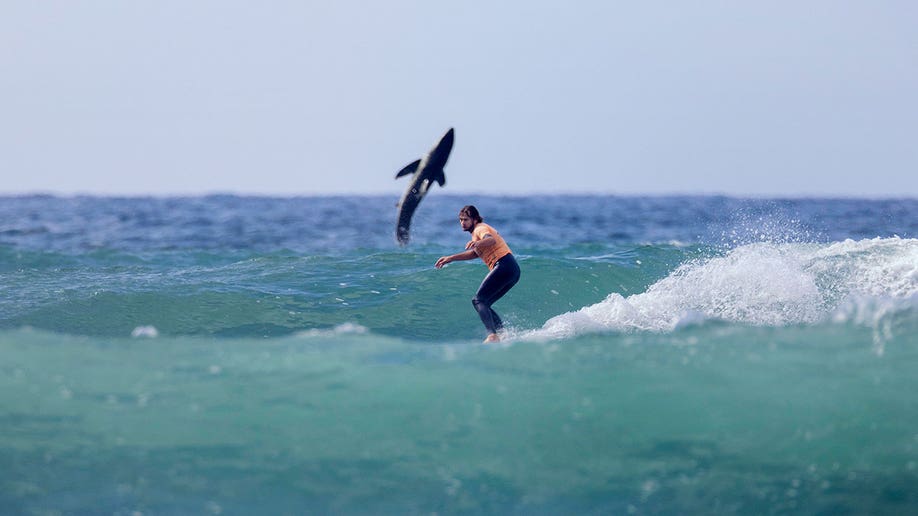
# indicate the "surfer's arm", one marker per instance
pixel 485 241
pixel 464 255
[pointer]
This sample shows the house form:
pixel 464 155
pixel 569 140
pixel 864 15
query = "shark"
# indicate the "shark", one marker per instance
pixel 423 172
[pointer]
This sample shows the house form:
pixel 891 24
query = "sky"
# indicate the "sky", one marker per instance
pixel 167 97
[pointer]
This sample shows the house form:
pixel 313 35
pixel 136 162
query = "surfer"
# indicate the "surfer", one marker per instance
pixel 487 244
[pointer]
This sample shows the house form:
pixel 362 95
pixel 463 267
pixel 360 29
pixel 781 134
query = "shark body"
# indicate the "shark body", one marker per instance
pixel 424 172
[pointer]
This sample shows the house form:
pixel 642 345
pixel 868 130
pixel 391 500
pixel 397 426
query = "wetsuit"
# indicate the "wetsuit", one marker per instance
pixel 505 272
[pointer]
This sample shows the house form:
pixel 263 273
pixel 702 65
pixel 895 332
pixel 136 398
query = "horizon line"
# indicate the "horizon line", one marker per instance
pixel 568 193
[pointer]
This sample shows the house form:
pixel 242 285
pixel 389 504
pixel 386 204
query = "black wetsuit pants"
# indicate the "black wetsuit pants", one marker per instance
pixel 499 281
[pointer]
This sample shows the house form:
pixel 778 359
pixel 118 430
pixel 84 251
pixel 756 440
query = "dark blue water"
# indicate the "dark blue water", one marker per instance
pixel 330 224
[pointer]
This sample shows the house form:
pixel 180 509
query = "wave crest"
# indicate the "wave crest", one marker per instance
pixel 765 284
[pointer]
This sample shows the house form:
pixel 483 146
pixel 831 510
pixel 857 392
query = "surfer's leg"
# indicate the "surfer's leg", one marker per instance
pixel 488 316
pixel 499 324
pixel 497 283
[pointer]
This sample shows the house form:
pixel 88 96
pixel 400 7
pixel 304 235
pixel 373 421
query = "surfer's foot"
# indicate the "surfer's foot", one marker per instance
pixel 492 338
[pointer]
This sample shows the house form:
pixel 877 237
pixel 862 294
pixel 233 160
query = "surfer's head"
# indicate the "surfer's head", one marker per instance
pixel 468 217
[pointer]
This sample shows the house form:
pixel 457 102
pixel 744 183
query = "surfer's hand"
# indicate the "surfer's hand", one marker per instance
pixel 442 261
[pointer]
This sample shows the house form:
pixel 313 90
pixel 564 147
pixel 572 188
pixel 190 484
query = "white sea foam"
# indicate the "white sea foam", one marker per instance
pixel 769 284
pixel 347 328
pixel 145 331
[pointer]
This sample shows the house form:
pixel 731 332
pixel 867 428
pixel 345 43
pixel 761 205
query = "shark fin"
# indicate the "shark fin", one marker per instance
pixel 440 178
pixel 410 169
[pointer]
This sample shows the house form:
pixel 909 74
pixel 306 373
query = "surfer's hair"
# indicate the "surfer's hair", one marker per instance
pixel 471 212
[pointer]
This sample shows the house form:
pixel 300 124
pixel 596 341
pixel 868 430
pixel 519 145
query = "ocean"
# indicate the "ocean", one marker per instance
pixel 662 355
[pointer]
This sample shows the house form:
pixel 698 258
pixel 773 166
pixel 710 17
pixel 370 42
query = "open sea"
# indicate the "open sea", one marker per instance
pixel 253 355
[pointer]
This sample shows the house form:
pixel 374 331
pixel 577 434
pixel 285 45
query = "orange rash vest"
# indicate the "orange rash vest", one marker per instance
pixel 492 253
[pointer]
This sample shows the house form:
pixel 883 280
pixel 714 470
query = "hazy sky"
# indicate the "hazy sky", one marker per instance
pixel 300 97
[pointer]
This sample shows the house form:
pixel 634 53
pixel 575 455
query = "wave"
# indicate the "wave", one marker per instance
pixel 764 284
pixel 400 294
pixel 348 421
pixel 594 288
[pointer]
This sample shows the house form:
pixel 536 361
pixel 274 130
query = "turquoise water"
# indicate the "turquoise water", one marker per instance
pixel 664 355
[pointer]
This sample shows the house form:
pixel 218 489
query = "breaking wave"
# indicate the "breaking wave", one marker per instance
pixel 764 284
